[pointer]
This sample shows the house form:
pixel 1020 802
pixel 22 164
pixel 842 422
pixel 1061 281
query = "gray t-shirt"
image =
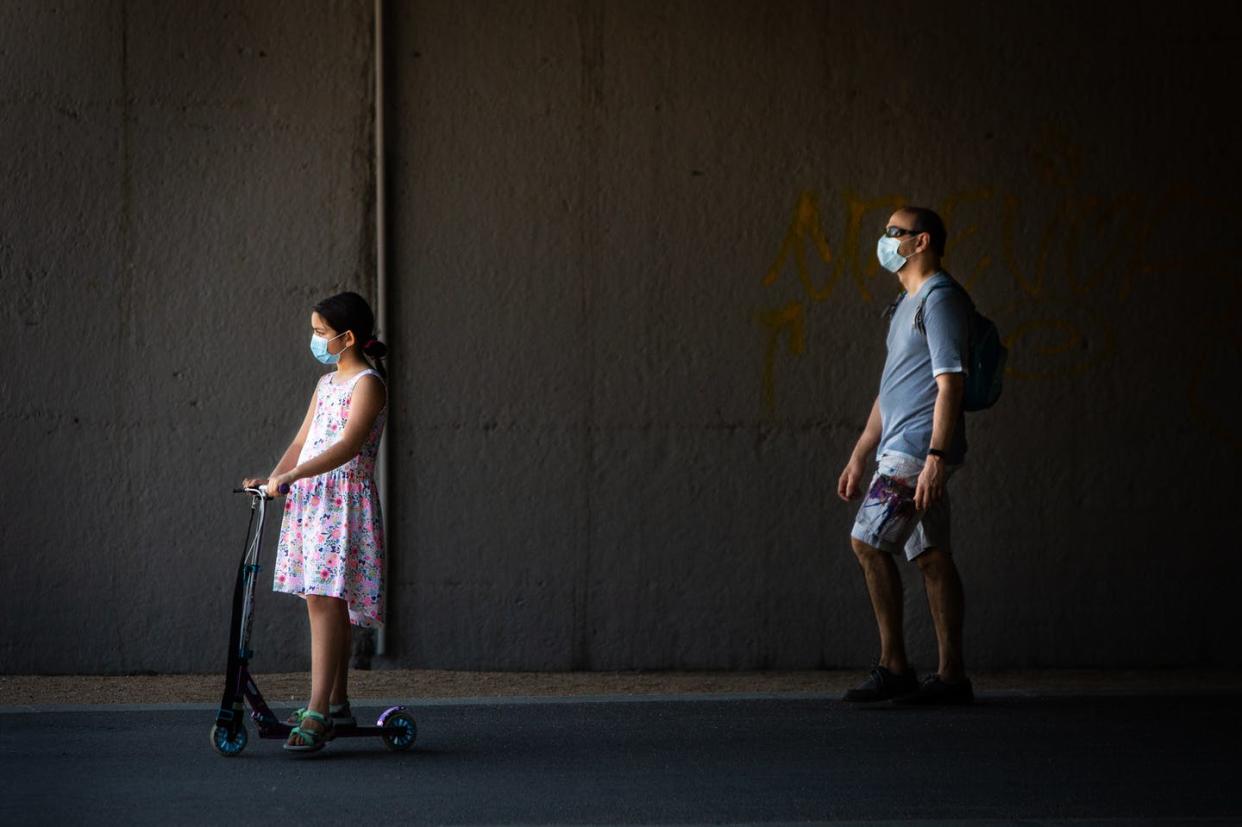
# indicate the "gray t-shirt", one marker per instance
pixel 908 385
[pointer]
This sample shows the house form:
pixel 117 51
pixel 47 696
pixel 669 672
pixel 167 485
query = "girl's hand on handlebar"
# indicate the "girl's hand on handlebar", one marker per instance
pixel 278 485
pixel 253 482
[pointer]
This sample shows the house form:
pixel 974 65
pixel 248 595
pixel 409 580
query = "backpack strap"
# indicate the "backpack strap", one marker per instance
pixel 891 310
pixel 919 322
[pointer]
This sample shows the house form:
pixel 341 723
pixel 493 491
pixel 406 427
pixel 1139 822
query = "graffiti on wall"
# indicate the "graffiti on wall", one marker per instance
pixel 1054 267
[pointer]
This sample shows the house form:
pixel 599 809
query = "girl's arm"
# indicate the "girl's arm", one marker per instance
pixel 366 403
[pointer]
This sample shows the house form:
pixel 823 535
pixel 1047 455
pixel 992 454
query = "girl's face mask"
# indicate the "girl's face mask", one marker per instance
pixel 319 349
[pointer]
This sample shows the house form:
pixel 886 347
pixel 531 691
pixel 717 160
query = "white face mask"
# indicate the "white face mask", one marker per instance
pixel 886 252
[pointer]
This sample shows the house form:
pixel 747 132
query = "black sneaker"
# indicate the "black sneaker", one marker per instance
pixel 935 692
pixel 882 685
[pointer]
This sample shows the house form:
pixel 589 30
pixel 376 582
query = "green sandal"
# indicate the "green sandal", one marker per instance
pixel 312 740
pixel 341 715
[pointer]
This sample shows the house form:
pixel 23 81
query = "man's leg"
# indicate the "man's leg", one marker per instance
pixel 948 608
pixel 887 601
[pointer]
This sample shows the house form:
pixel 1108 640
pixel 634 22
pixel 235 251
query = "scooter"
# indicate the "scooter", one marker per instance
pixel 228 736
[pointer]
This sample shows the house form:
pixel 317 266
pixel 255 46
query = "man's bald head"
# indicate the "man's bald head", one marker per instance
pixel 924 220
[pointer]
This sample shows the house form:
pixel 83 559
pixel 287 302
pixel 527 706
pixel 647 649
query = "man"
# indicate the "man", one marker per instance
pixel 917 432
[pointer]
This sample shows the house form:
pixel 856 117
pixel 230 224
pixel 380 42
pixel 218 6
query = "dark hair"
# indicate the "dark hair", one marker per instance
pixel 350 312
pixel 927 221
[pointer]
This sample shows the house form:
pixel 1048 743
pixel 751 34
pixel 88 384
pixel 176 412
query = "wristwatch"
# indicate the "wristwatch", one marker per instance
pixel 936 452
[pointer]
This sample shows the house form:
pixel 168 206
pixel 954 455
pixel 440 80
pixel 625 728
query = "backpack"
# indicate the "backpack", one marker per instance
pixel 985 359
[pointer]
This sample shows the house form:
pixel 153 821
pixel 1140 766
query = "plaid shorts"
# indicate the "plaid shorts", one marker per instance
pixel 888 520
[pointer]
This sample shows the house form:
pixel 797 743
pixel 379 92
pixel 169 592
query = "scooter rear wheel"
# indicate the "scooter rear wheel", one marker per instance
pixel 408 734
pixel 226 743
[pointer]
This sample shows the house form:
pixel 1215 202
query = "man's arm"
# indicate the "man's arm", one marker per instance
pixel 949 390
pixel 870 437
pixel 848 486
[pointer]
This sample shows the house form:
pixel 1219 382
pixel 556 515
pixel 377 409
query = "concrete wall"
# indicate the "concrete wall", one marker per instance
pixel 638 325
pixel 180 182
pixel 635 320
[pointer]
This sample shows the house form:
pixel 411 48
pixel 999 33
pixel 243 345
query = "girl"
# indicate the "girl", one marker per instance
pixel 331 546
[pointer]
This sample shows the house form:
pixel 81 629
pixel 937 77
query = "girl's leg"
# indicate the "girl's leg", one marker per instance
pixel 340 685
pixel 329 622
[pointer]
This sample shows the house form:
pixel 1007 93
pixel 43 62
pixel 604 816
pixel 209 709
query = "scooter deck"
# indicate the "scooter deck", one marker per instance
pixel 244 691
pixel 282 730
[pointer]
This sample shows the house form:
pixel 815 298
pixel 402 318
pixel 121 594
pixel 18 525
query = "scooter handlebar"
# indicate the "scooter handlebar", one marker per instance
pixel 261 490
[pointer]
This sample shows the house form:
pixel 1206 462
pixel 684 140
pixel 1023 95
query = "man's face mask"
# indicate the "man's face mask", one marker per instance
pixel 886 252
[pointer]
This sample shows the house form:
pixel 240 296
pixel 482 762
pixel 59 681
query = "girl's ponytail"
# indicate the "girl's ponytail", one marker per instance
pixel 375 350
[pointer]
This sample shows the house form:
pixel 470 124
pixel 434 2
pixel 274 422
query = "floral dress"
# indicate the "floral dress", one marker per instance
pixel 332 536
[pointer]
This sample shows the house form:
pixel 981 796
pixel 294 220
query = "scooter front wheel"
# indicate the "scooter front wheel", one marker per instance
pixel 226 743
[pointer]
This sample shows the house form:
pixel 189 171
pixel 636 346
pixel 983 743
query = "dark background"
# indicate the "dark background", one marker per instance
pixel 634 310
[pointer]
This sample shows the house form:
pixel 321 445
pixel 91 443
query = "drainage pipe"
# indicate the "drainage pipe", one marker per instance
pixel 381 292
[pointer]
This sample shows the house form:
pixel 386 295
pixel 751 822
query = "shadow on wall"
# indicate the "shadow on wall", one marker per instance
pixel 1070 257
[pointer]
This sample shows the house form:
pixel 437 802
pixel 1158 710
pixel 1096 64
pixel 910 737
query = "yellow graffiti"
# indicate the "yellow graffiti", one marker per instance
pixel 803 232
pixel 1050 333
pixel 806 231
pixel 969 232
pixel 804 243
pixel 789 319
pixel 1085 249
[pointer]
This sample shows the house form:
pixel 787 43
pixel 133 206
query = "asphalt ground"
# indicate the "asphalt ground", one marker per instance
pixel 42 690
pixel 1013 757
